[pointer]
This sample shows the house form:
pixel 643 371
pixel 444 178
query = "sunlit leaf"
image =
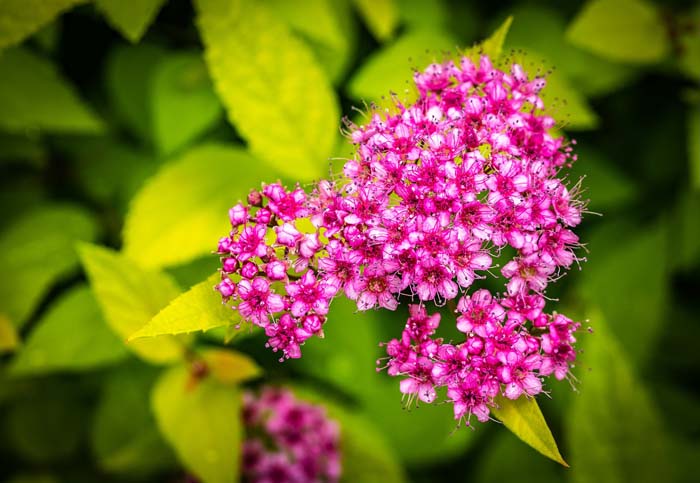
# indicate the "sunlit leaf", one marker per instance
pixel 275 92
pixel 183 101
pixel 615 433
pixel 35 96
pixel 524 418
pixel 366 454
pixel 71 336
pixel 124 435
pixel 21 18
pixel 230 367
pixel 434 14
pixel 131 18
pixel 35 251
pixel 381 17
pixel 622 30
pixel 200 308
pixel 130 296
pixel 493 46
pixel 8 335
pixel 181 213
pixel 201 421
pixel 390 69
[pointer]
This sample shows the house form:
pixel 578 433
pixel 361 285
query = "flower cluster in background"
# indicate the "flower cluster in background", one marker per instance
pixel 288 440
pixel 466 182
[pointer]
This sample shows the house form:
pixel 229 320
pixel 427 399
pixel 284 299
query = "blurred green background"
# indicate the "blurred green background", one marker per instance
pixel 136 124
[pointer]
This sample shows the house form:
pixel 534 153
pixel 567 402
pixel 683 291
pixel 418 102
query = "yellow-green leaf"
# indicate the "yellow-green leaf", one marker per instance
pixel 201 421
pixel 34 95
pixel 8 335
pixel 493 46
pixel 622 30
pixel 381 17
pixel 524 418
pixel 230 367
pixel 72 336
pixel 200 308
pixel 35 251
pixel 276 94
pixel 130 17
pixel 181 212
pixel 130 296
pixel 21 18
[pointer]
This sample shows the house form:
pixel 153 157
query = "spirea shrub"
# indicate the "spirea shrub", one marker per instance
pixel 465 184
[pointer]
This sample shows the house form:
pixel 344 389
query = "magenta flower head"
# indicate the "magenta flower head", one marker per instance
pixel 466 183
pixel 288 440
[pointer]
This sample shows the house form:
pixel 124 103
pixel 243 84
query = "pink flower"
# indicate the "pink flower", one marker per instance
pixel 258 302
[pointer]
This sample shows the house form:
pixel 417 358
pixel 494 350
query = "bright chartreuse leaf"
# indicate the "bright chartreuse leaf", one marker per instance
pixel 130 17
pixel 201 420
pixel 183 101
pixel 366 455
pixel 124 435
pixel 35 96
pixel 493 46
pixel 694 146
pixel 561 98
pixel 346 358
pixel 71 336
pixel 21 18
pixel 276 94
pixel 542 29
pixel 36 250
pixel 130 296
pixel 615 433
pixel 129 70
pixel 8 335
pixel 380 16
pixel 44 423
pixel 230 367
pixel 524 418
pixel 199 308
pixel 181 212
pixel 522 460
pixel 629 264
pixel 390 69
pixel 604 185
pixel 631 31
pixel 331 34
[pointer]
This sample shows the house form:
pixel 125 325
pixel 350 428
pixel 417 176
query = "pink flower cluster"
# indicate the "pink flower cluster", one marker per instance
pixel 288 440
pixel 466 182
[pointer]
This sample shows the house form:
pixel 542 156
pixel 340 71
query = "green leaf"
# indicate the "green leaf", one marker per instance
pixel 331 35
pixel 366 454
pixel 201 421
pixel 230 367
pixel 124 435
pixel 22 149
pixel 381 17
pixel 493 46
pixel 200 308
pixel 128 75
pixel 8 335
pixel 37 250
pixel 71 336
pixel 131 18
pixel 627 264
pixel 21 18
pixel 346 359
pixel 34 95
pixel 182 211
pixel 44 424
pixel 630 31
pixel 561 99
pixel 542 29
pixel 183 101
pixel 275 93
pixel 130 296
pixel 685 252
pixel 434 14
pixel 615 433
pixel 694 146
pixel 390 68
pixel 524 418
